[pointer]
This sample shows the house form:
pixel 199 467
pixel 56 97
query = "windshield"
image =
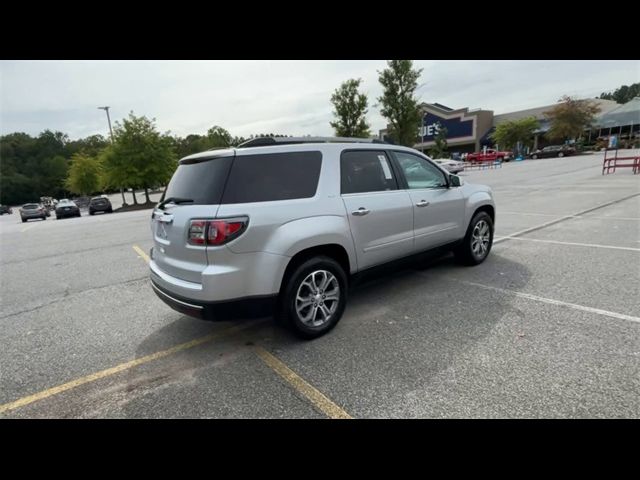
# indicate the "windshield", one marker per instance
pixel 31 206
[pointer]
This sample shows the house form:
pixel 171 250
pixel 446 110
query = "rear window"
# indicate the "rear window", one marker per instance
pixel 274 176
pixel 366 171
pixel 202 182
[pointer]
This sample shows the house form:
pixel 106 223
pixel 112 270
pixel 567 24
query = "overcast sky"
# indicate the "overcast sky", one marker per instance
pixel 281 97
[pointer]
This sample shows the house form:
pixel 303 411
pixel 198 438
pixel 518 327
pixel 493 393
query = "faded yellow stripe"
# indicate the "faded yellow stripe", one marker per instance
pixel 120 368
pixel 317 398
pixel 140 252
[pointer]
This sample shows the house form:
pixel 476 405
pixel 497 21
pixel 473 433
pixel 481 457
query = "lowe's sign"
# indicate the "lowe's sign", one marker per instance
pixel 456 127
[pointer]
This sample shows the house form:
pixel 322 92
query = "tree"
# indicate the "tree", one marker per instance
pixel 399 106
pixel 218 137
pixel 439 150
pixel 91 145
pixel 623 94
pixel 509 134
pixel 350 110
pixel 84 174
pixel 139 157
pixel 570 118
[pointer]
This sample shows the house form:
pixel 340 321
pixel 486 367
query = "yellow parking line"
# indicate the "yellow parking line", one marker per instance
pixel 317 398
pixel 140 252
pixel 122 367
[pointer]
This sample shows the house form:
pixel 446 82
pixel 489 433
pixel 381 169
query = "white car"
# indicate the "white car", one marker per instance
pixel 453 166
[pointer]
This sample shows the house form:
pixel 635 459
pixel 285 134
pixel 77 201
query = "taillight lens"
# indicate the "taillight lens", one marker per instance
pixel 216 232
pixel 198 232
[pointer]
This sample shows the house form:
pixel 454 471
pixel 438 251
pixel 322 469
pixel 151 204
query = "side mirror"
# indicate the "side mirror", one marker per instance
pixel 455 181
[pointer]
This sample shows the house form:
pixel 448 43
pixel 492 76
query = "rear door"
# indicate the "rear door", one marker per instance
pixel 438 210
pixel 380 214
pixel 202 181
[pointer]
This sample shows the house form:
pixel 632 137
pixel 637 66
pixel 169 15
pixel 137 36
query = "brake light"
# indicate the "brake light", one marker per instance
pixel 216 232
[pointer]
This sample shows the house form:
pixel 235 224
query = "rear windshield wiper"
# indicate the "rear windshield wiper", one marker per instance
pixel 176 200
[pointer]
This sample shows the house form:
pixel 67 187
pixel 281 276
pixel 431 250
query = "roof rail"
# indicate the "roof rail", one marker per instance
pixel 265 141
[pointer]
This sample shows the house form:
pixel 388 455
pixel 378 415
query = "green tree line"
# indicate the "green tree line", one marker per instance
pixel 140 157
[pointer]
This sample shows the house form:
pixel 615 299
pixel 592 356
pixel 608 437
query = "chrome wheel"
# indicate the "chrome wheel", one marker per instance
pixel 480 239
pixel 317 298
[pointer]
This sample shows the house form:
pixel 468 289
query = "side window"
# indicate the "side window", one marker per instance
pixel 419 172
pixel 273 176
pixel 366 171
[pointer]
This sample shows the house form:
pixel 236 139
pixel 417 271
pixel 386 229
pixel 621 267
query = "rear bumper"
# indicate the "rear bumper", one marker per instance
pixel 249 307
pixel 99 208
pixel 69 213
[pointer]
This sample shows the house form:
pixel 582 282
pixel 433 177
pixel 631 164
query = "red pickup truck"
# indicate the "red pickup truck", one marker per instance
pixel 490 155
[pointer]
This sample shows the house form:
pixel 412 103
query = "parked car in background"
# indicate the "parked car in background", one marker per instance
pixel 32 210
pixel 552 151
pixel 82 202
pixel 100 204
pixel 490 155
pixel 67 208
pixel 5 209
pixel 284 222
pixel 453 166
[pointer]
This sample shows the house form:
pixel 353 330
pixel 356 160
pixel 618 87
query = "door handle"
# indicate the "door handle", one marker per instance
pixel 422 203
pixel 360 212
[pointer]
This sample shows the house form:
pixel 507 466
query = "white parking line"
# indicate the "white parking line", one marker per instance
pixel 551 301
pixel 537 227
pixel 565 217
pixel 27 228
pixel 531 214
pixel 594 245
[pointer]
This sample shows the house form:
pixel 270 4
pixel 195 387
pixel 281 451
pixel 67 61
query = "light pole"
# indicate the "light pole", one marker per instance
pixel 106 109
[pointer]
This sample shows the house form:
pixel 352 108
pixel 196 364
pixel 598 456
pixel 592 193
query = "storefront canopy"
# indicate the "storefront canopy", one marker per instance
pixel 627 114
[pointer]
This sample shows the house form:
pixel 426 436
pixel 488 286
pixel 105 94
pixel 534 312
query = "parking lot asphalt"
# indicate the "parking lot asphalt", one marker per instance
pixel 547 327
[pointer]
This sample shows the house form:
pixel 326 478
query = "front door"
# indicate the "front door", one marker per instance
pixel 438 210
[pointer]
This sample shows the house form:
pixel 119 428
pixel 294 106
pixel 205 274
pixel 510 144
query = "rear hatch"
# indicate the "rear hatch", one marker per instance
pixel 31 210
pixel 197 186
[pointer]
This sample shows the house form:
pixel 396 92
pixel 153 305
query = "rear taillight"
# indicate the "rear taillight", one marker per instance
pixel 197 232
pixel 216 232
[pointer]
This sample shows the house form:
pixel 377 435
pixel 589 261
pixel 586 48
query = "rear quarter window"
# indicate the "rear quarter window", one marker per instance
pixel 273 176
pixel 202 181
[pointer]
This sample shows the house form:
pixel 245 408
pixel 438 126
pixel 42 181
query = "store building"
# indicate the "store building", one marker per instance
pixel 470 130
pixel 623 121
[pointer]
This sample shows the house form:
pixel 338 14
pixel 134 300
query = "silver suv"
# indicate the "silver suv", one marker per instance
pixel 282 224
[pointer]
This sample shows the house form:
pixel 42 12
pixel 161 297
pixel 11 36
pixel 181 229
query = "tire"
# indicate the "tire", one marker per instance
pixel 465 252
pixel 300 282
pixel 23 220
pixel 78 215
pixel 535 157
pixel 560 155
pixel 110 210
pixel 91 213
